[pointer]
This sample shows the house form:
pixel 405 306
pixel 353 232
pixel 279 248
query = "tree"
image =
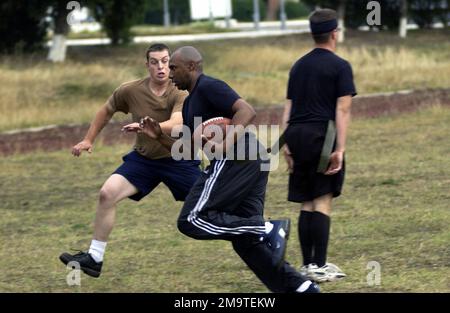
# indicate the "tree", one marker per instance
pixel 117 17
pixel 403 18
pixel 341 19
pixel 59 12
pixel 272 9
pixel 22 25
pixel 179 12
pixel 427 12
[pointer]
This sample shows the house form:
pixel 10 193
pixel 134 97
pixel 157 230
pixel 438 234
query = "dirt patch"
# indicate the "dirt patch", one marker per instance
pixel 64 137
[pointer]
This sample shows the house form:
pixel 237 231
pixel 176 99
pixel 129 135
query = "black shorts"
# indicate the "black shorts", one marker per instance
pixel 305 142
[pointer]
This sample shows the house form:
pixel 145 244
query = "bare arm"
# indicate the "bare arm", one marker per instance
pixel 342 121
pixel 158 131
pixel 343 109
pixel 102 118
pixel 175 121
pixel 284 124
pixel 286 115
pixel 243 115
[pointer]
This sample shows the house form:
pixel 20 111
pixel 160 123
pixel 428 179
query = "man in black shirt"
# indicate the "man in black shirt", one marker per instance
pixel 319 94
pixel 227 201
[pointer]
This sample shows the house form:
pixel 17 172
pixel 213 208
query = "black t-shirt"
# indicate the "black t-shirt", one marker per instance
pixel 214 98
pixel 210 98
pixel 315 82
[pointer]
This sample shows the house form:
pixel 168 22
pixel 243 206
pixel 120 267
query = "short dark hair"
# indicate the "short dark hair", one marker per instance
pixel 156 47
pixel 322 15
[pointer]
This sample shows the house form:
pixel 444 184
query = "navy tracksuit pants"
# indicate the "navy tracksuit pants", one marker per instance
pixel 227 202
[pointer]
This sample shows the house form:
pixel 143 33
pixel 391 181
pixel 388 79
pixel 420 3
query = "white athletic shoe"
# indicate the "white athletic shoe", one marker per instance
pixel 307 269
pixel 328 272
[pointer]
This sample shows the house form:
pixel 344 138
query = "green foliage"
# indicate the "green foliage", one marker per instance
pixel 243 10
pixel 426 12
pixel 356 13
pixel 117 17
pixel 179 12
pixel 295 10
pixel 22 25
pixel 322 3
pixel 422 12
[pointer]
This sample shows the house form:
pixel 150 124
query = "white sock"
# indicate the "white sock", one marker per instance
pixel 97 250
pixel 269 227
pixel 304 286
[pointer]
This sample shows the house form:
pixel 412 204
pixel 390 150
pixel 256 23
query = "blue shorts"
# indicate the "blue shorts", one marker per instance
pixel 145 174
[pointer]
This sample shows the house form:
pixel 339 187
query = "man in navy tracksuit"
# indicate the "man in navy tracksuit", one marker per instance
pixel 227 201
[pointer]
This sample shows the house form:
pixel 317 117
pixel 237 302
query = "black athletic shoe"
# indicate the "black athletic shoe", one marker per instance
pixel 313 288
pixel 86 262
pixel 277 240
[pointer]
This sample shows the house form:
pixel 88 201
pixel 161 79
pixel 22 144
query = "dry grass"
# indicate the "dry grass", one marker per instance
pixel 34 92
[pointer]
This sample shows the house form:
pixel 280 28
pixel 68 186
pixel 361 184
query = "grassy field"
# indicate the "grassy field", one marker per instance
pixel 394 210
pixel 156 30
pixel 36 93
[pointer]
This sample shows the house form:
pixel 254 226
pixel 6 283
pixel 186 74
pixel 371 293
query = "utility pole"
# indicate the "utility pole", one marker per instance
pixel 283 14
pixel 166 14
pixel 228 15
pixel 211 15
pixel 256 17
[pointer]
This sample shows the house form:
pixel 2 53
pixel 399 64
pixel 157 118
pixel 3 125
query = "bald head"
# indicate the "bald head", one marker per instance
pixel 189 54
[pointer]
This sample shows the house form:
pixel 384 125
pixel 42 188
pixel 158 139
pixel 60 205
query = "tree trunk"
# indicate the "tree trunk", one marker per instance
pixel 57 52
pixel 403 18
pixel 341 19
pixel 272 8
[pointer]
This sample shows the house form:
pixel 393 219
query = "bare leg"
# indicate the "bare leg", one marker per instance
pixel 322 204
pixel 115 189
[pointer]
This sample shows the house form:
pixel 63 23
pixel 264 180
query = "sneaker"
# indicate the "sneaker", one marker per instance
pixel 277 240
pixel 86 262
pixel 328 272
pixel 307 269
pixel 312 288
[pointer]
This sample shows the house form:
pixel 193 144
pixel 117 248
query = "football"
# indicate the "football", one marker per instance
pixel 213 128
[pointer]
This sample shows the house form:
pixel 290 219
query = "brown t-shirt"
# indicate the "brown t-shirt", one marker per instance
pixel 135 97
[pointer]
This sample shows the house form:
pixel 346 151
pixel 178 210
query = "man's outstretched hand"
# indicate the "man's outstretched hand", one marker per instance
pixel 147 126
pixel 132 128
pixel 150 127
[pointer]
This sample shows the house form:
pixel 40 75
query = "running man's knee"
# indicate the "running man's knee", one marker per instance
pixel 104 195
pixel 192 231
pixel 184 226
pixel 115 189
pixel 107 195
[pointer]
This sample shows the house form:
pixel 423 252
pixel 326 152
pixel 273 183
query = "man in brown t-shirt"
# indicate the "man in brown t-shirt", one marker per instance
pixel 149 163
